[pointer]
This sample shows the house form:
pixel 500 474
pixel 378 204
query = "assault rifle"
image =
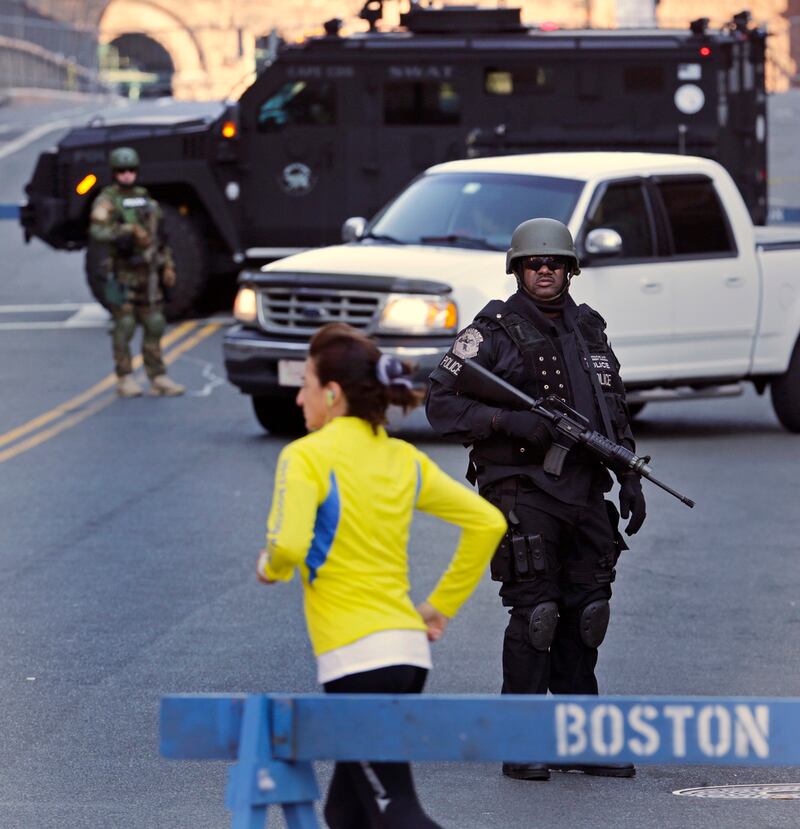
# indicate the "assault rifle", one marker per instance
pixel 571 426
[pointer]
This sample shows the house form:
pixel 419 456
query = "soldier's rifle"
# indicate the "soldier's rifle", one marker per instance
pixel 571 426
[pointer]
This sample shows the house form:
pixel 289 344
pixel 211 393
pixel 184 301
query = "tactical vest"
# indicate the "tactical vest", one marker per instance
pixel 546 374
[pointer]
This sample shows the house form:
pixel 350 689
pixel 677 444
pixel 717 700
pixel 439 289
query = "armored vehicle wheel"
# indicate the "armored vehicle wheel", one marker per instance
pixel 96 255
pixel 279 415
pixel 785 393
pixel 191 262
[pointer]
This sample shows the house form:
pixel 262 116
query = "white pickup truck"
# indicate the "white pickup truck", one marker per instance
pixel 697 300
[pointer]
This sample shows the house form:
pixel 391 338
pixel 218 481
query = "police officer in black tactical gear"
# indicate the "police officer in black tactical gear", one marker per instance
pixel 556 564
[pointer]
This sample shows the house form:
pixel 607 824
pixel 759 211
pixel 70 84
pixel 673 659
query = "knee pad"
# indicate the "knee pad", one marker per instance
pixel 542 625
pixel 154 324
pixel 124 326
pixel 594 622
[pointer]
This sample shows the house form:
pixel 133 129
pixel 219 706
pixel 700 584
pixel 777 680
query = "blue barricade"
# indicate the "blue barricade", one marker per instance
pixel 274 738
pixel 9 211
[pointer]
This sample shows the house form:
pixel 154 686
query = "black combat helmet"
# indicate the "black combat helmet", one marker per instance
pixel 542 237
pixel 124 158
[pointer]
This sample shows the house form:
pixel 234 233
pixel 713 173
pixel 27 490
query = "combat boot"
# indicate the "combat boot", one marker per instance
pixel 526 771
pixel 598 769
pixel 162 386
pixel 128 387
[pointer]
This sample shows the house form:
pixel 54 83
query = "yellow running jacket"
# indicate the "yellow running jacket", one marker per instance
pixel 341 511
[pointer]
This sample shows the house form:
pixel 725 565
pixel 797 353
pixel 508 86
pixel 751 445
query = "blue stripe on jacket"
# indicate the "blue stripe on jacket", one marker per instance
pixel 327 521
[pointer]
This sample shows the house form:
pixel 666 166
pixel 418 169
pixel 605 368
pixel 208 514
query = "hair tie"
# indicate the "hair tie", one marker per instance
pixel 391 372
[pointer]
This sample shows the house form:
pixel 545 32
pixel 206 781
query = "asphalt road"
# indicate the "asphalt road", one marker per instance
pixel 128 533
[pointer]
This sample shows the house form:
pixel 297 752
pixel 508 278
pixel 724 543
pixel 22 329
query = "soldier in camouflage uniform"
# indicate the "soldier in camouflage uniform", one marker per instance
pixel 126 219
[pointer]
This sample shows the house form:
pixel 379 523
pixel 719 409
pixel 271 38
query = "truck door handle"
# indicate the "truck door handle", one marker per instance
pixel 651 287
pixel 734 281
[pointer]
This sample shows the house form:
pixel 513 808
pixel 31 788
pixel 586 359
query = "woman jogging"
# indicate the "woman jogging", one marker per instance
pixel 342 507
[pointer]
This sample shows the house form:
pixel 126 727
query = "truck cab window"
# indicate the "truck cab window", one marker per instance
pixel 522 80
pixel 643 80
pixel 696 217
pixel 299 103
pixel 421 102
pixel 623 208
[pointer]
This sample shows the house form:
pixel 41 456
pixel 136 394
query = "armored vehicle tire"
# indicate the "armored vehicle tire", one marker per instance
pixel 279 415
pixel 785 393
pixel 189 253
pixel 191 262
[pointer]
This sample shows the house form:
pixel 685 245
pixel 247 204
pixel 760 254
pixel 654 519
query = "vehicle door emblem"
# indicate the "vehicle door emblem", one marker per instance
pixel 297 179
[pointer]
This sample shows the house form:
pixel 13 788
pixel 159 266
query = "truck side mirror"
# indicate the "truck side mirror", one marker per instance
pixel 353 228
pixel 603 241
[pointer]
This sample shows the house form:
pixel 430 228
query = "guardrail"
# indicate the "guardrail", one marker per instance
pixel 275 737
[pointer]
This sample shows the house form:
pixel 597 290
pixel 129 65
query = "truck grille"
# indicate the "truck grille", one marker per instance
pixel 304 310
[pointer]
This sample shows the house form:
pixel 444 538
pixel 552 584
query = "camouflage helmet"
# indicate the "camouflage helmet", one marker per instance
pixel 124 158
pixel 541 237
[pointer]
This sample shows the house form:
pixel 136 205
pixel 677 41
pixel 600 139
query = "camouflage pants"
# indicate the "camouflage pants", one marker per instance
pixel 125 319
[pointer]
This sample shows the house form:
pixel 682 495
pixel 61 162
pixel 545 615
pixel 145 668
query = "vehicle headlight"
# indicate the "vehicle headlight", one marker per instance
pixel 245 306
pixel 419 314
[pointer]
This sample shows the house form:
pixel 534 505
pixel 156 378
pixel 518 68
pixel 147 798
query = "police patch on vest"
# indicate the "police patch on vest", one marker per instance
pixel 468 344
pixel 451 365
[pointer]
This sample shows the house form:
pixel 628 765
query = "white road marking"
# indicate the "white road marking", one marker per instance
pixel 81 315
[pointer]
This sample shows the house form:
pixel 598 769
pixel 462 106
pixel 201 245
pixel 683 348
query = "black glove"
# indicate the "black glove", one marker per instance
pixel 631 501
pixel 525 426
pixel 125 244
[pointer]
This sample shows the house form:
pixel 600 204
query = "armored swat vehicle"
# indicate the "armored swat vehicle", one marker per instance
pixel 334 126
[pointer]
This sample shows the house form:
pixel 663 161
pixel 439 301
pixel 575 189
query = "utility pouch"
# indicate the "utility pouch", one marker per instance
pixel 115 293
pixel 619 542
pixel 500 568
pixel 527 556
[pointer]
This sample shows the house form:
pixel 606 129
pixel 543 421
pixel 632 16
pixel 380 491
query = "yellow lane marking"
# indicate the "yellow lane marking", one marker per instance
pixel 102 403
pixel 46 434
pixel 97 389
pixel 191 342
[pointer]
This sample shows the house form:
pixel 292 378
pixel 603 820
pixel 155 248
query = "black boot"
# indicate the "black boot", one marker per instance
pixel 526 771
pixel 597 769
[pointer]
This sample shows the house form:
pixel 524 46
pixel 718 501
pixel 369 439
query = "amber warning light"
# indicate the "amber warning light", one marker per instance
pixel 229 130
pixel 86 184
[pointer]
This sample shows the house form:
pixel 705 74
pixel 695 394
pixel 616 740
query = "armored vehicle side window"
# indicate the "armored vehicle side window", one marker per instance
pixel 521 80
pixel 299 103
pixel 623 208
pixel 474 210
pixel 696 217
pixel 421 102
pixel 643 79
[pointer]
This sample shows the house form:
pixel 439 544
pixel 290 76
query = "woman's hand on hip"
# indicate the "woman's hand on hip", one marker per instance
pixel 263 560
pixel 435 621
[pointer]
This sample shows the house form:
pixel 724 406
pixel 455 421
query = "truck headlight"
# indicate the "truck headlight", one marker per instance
pixel 419 314
pixel 245 307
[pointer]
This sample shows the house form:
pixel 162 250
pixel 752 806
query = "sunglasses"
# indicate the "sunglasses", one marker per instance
pixel 125 170
pixel 533 263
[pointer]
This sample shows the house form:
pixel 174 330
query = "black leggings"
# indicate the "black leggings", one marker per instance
pixel 376 795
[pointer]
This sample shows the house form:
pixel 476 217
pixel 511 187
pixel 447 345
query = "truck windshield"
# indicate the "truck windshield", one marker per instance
pixel 478 210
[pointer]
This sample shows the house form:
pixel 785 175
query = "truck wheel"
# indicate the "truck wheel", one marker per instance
pixel 279 415
pixel 189 253
pixel 191 262
pixel 785 393
pixel 94 263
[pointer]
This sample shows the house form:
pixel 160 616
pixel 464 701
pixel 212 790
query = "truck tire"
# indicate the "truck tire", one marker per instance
pixel 279 415
pixel 785 393
pixel 191 264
